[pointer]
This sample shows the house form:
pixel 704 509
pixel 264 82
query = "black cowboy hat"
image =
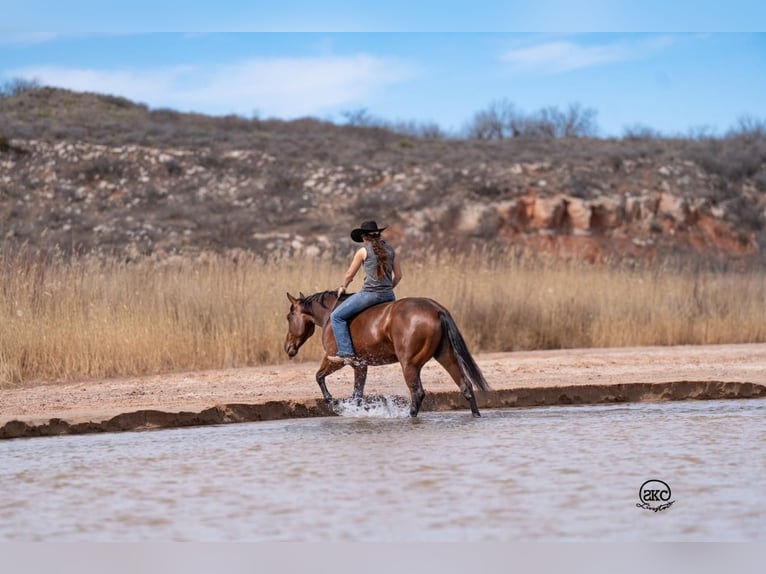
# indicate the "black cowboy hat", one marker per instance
pixel 366 227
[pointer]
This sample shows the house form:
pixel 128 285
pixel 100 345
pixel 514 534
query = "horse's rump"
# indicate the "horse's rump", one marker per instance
pixel 382 332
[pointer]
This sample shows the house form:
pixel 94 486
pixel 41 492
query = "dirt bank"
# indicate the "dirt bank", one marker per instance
pixel 534 378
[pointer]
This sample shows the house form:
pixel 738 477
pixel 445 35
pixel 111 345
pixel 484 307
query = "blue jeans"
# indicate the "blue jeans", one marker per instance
pixel 348 309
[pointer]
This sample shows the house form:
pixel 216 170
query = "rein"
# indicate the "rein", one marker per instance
pixel 318 298
pixel 334 305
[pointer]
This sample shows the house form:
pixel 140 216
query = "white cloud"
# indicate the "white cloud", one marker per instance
pixel 281 87
pixel 292 87
pixel 563 56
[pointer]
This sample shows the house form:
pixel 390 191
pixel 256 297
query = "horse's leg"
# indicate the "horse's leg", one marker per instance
pixel 326 368
pixel 412 378
pixel 448 360
pixel 360 378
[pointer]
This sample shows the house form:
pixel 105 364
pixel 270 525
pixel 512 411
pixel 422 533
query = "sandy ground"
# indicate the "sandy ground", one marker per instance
pixel 294 381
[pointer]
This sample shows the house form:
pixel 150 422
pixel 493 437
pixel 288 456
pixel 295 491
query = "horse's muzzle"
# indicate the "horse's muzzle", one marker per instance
pixel 290 349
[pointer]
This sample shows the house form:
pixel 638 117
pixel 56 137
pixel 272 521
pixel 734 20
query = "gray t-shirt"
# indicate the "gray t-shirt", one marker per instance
pixel 385 283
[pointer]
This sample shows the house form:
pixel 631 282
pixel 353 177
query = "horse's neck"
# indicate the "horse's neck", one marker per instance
pixel 321 313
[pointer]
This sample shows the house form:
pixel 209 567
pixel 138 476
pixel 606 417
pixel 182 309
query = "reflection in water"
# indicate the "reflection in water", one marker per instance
pixel 549 473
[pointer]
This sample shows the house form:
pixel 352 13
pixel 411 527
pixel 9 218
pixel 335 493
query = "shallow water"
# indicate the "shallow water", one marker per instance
pixel 373 474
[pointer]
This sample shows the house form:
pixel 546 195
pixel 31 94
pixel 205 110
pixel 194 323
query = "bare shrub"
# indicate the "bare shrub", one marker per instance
pixel 734 158
pixel 749 127
pixel 501 120
pixel 640 132
pixel 497 121
pixel 418 130
pixel 101 167
pixel 359 117
pixel 18 86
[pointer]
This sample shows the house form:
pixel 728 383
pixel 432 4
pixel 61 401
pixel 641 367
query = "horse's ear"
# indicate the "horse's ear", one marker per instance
pixel 291 298
pixel 302 296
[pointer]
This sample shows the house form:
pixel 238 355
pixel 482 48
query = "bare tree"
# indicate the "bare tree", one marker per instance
pixel 640 132
pixel 749 126
pixel 17 86
pixel 545 123
pixel 575 122
pixel 578 122
pixel 359 117
pixel 495 122
pixel 501 120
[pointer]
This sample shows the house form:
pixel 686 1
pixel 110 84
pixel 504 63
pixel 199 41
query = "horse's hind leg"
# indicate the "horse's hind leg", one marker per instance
pixel 412 378
pixel 451 365
pixel 467 391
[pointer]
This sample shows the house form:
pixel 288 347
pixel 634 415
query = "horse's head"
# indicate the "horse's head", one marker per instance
pixel 300 325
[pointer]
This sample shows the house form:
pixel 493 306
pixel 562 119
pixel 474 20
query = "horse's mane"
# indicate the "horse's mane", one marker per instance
pixel 309 300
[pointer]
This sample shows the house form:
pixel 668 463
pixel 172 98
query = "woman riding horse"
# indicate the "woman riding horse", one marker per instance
pixel 409 331
pixel 382 272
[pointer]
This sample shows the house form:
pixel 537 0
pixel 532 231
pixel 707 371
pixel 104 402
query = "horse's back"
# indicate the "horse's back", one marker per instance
pixel 403 308
pixel 396 318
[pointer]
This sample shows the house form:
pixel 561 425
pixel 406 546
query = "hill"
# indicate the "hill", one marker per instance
pixel 91 172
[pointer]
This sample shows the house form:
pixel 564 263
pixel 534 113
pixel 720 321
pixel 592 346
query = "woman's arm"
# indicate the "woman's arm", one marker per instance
pixel 356 263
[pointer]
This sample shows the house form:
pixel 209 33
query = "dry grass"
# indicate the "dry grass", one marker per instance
pixel 525 304
pixel 64 320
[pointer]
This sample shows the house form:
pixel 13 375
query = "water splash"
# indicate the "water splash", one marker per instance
pixel 377 406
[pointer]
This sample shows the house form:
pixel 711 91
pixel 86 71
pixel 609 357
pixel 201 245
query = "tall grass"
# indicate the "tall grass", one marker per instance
pixel 86 317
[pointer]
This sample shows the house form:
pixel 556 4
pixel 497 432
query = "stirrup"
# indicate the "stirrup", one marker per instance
pixel 350 360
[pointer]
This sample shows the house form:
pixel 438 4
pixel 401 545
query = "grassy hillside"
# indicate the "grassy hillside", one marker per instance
pixel 83 172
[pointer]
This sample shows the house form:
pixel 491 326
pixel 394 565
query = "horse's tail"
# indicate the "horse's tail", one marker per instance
pixel 467 364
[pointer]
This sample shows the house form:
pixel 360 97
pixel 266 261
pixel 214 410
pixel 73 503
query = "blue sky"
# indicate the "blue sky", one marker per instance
pixel 670 66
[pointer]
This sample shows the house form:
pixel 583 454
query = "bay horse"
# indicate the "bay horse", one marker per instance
pixel 410 331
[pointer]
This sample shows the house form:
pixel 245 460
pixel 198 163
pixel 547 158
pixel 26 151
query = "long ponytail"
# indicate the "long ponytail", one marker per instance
pixel 380 254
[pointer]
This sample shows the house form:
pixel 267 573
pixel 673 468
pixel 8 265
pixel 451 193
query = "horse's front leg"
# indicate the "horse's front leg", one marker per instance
pixel 360 378
pixel 326 368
